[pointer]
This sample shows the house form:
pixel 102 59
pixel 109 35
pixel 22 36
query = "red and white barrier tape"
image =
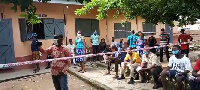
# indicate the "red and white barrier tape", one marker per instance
pixel 65 58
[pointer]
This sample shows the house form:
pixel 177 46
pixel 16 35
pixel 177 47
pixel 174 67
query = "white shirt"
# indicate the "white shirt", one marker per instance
pixel 179 65
pixel 71 48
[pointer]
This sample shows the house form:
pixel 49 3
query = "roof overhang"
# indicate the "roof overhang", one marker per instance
pixel 70 2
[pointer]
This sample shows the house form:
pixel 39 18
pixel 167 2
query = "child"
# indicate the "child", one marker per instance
pixel 35 51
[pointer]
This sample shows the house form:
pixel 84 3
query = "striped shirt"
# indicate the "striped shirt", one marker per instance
pixel 164 39
pixel 79 43
pixel 132 40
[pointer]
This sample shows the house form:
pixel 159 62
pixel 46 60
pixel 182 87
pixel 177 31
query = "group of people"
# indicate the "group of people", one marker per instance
pixel 141 62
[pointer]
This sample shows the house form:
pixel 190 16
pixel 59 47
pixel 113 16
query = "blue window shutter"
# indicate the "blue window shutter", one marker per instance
pixel 49 28
pixel 59 26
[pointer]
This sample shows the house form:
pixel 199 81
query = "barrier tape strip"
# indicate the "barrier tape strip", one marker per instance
pixel 67 58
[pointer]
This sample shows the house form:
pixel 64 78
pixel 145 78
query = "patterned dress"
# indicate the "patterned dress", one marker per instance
pixel 79 49
pixel 140 44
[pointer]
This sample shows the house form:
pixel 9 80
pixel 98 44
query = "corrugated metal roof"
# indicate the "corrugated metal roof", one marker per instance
pixel 73 2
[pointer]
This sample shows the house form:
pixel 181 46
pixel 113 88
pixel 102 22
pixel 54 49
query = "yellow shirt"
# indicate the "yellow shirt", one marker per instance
pixel 135 55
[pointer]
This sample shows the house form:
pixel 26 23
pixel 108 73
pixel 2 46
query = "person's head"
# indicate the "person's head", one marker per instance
pixel 95 33
pixel 113 39
pixel 34 35
pixel 70 41
pixel 121 40
pixel 113 47
pixel 162 30
pixel 146 50
pixel 128 50
pixel 182 31
pixel 58 39
pixel 141 35
pixel 79 33
pixel 176 50
pixel 133 31
pixel 102 40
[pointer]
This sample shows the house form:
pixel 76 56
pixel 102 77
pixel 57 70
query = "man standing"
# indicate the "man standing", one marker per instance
pixel 35 51
pixel 184 40
pixel 72 47
pixel 164 41
pixel 59 68
pixel 152 66
pixel 132 39
pixel 95 44
pixel 178 68
pixel 132 60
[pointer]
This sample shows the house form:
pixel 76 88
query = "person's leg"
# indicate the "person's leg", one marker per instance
pixel 167 52
pixel 108 67
pixel 164 76
pixel 143 76
pixel 63 82
pixel 179 80
pixel 97 51
pixel 132 71
pixel 193 85
pixel 94 52
pixel 122 71
pixel 83 67
pixel 187 51
pixel 161 54
pixel 155 72
pixel 56 82
pixel 116 66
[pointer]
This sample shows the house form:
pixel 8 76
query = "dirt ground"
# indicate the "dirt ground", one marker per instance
pixel 43 82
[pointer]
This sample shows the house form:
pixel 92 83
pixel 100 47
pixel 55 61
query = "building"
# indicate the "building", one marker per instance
pixel 58 17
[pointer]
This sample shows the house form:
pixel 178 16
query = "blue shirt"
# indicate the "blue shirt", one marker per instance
pixel 95 39
pixel 132 40
pixel 34 46
pixel 79 43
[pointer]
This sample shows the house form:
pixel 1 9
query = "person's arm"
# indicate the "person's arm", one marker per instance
pixel 48 51
pixel 155 41
pixel 91 39
pixel 191 38
pixel 188 67
pixel 154 62
pixel 84 44
pixel 179 39
pixel 196 68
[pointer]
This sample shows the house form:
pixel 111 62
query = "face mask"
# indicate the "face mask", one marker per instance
pixel 145 52
pixel 55 41
pixel 175 52
pixel 78 34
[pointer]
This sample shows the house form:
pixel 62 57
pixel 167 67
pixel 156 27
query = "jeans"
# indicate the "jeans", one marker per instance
pixel 95 51
pixel 194 85
pixel 166 52
pixel 60 82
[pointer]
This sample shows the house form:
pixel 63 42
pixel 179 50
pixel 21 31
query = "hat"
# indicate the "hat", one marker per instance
pixel 34 35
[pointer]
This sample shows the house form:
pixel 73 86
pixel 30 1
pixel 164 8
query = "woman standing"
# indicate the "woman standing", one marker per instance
pixel 140 44
pixel 102 45
pixel 80 50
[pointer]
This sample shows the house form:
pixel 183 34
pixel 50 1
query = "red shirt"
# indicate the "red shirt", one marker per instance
pixel 58 66
pixel 197 66
pixel 184 38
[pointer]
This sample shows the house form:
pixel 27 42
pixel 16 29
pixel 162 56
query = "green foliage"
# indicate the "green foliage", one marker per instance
pixel 153 11
pixel 27 7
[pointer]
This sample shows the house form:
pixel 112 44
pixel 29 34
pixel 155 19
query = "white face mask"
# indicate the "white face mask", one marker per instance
pixel 55 41
pixel 78 35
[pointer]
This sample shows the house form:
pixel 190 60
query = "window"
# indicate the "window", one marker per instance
pixel 121 31
pixel 148 27
pixel 86 26
pixel 45 30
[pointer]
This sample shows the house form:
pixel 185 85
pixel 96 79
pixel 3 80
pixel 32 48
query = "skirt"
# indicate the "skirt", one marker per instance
pixel 79 52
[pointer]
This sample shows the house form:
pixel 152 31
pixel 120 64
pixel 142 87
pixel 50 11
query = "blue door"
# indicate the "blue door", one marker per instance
pixel 7 54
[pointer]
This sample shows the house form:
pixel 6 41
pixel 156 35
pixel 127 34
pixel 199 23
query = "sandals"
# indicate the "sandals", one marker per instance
pixel 36 70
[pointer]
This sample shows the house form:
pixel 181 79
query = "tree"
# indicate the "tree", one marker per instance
pixel 28 9
pixel 153 11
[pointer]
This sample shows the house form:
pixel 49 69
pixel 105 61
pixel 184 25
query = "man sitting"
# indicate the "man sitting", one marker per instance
pixel 195 81
pixel 178 67
pixel 115 58
pixel 152 66
pixel 132 60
